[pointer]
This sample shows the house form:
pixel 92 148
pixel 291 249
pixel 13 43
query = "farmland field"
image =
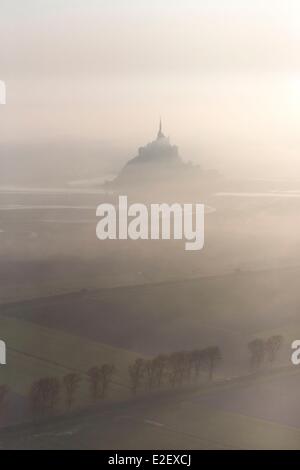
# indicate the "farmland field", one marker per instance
pixel 35 352
pixel 195 420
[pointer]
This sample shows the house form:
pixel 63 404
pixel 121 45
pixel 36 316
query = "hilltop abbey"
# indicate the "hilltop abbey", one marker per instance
pixel 158 165
pixel 158 152
pixel 157 161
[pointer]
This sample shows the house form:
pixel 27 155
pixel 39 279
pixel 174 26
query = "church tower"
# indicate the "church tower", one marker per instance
pixel 160 134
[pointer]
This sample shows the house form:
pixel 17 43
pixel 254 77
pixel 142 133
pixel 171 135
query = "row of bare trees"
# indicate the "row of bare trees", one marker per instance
pixel 264 350
pixel 174 369
pixel 46 392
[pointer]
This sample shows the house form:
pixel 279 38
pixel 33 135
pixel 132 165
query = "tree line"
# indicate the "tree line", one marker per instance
pixel 173 369
pixel 164 370
pixel 262 351
pixel 45 393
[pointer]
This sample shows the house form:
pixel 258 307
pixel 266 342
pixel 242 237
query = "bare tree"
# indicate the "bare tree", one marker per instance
pixel 198 360
pixel 257 353
pixel 106 373
pixel 160 366
pixel 100 379
pixel 211 357
pixel 136 374
pixel 273 346
pixel 71 383
pixel 94 375
pixel 44 394
pixel 189 364
pixel 177 367
pixel 150 371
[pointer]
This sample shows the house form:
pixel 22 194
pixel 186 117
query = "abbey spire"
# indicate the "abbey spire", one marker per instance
pixel 160 134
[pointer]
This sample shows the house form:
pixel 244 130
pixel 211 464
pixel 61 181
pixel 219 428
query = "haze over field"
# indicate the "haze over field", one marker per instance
pixel 224 75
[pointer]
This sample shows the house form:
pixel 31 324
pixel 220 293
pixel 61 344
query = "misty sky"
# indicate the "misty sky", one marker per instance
pixel 225 76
